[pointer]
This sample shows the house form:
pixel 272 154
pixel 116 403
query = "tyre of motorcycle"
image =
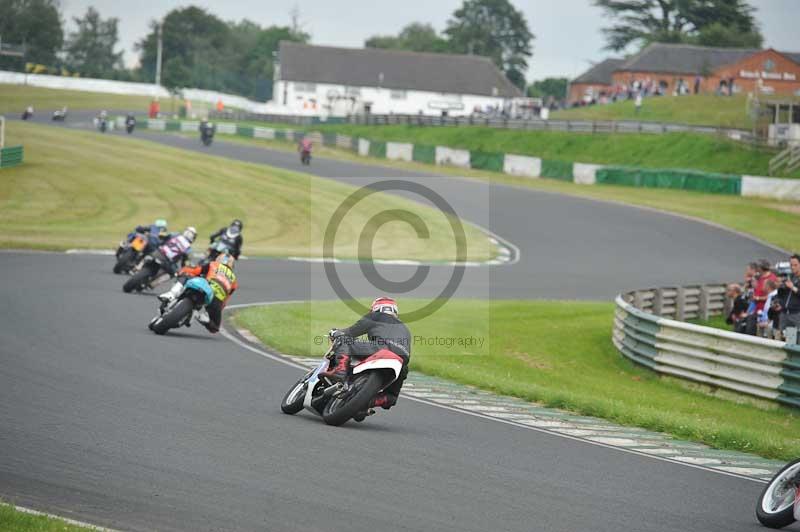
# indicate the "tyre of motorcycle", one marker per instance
pixel 129 129
pixel 342 408
pixel 137 280
pixel 174 317
pixel 292 402
pixel 783 517
pixel 125 260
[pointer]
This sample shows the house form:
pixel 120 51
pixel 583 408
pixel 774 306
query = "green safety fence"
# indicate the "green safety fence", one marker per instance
pixel 556 169
pixel 244 131
pixel 280 134
pixel 423 153
pixel 377 149
pixel 172 125
pixel 673 179
pixel 480 160
pixel 11 156
pixel 354 143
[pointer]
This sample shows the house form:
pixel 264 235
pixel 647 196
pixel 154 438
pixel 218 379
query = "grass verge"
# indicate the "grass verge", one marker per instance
pixel 701 109
pixel 672 150
pixel 85 190
pixel 770 220
pixel 13 520
pixel 15 98
pixel 555 353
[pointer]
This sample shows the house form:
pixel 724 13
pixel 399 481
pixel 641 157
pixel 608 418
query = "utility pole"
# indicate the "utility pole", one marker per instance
pixel 158 55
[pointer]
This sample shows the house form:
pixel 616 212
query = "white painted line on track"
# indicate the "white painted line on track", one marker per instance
pixel 652 454
pixel 90 526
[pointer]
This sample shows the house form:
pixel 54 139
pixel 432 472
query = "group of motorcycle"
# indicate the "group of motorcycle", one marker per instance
pixel 151 257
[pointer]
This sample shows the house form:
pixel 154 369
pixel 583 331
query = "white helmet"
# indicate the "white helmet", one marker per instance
pixel 190 233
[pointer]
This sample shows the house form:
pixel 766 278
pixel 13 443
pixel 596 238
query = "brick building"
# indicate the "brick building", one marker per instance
pixel 683 68
pixel 595 82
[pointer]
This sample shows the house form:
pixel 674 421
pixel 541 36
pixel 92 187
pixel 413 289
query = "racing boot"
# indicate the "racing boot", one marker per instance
pixel 202 317
pixel 339 371
pixel 171 294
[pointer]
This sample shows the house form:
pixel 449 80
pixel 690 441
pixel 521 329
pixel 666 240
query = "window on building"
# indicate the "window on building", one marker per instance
pixel 399 95
pixel 353 91
pixel 305 87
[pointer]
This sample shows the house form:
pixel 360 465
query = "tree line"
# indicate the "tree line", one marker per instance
pixel 201 50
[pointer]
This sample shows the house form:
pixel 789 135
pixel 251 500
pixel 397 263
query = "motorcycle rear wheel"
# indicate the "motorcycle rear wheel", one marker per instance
pixel 136 281
pixel 340 409
pixel 784 514
pixel 173 318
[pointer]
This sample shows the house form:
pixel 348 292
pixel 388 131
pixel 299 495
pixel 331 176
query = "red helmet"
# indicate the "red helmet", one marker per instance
pixel 387 305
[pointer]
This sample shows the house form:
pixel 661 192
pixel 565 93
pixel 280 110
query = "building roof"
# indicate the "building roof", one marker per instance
pixel 684 58
pixel 394 69
pixel 600 73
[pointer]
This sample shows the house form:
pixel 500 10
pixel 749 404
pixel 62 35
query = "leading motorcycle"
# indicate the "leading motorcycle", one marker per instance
pixel 130 123
pixel 129 253
pixel 207 133
pixel 779 504
pixel 196 294
pixel 338 402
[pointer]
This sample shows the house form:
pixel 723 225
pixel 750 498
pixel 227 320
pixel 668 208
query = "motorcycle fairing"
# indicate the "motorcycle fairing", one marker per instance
pixel 383 359
pixel 201 285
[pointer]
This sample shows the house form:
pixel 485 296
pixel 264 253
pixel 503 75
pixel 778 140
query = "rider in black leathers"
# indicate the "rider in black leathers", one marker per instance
pixel 232 233
pixel 384 330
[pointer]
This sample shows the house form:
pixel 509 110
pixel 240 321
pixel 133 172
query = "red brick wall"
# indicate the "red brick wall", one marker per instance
pixel 752 64
pixel 578 90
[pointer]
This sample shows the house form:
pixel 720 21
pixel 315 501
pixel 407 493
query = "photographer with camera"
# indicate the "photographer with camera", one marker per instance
pixel 789 296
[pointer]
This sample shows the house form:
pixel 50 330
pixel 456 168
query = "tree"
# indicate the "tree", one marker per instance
pixel 90 49
pixel 545 88
pixel 495 29
pixel 36 24
pixel 416 37
pixel 675 21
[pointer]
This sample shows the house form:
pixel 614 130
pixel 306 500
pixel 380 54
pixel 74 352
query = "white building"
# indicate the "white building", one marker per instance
pixel 323 80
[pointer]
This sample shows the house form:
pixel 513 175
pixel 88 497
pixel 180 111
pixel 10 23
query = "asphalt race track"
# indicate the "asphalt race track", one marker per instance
pixel 101 420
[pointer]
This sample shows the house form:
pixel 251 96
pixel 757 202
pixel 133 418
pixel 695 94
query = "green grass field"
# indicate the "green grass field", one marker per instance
pixel 15 98
pixel 556 353
pixel 12 520
pixel 770 220
pixel 86 190
pixel 701 109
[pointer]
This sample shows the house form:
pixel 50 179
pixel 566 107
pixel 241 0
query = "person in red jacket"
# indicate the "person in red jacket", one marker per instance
pixel 222 280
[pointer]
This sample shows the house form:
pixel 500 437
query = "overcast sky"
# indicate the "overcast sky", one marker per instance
pixel 568 37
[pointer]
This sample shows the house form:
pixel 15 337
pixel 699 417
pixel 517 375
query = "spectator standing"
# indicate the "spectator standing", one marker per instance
pixel 766 315
pixel 760 292
pixel 638 102
pixel 790 305
pixel 739 305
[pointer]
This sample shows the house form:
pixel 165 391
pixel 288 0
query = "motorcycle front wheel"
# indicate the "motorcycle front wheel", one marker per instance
pixel 354 400
pixel 174 317
pixel 124 261
pixel 775 508
pixel 293 400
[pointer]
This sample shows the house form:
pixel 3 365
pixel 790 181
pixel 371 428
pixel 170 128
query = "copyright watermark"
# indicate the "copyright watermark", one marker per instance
pixel 366 240
pixel 463 342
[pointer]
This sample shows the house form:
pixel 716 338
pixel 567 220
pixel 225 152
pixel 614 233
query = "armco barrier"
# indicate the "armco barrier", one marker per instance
pixel 11 156
pixel 675 179
pixel 744 364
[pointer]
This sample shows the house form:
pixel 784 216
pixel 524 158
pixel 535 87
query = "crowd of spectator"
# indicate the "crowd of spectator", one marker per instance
pixel 637 89
pixel 767 303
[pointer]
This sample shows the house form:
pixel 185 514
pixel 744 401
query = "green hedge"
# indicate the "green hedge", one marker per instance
pixel 377 149
pixel 423 153
pixel 492 162
pixel 11 156
pixel 280 134
pixel 674 179
pixel 557 169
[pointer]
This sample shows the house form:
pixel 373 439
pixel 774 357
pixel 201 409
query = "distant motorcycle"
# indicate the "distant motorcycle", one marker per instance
pixel 59 115
pixel 305 157
pixel 222 245
pixel 129 253
pixel 27 113
pixel 196 294
pixel 130 124
pixel 102 124
pixel 779 504
pixel 338 402
pixel 207 133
